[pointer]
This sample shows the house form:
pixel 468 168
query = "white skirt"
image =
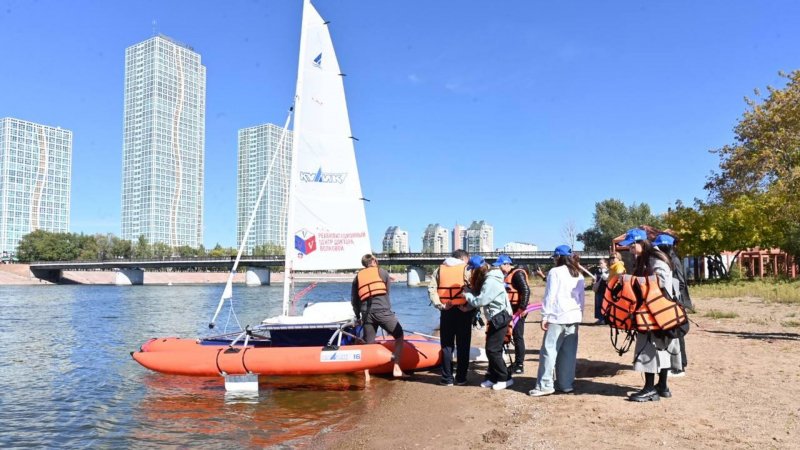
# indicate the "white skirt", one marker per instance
pixel 654 354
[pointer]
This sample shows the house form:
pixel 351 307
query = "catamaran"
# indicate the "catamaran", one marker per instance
pixel 326 230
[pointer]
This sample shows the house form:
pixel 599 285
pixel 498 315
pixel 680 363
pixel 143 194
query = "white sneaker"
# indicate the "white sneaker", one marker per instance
pixel 487 384
pixel 541 392
pixel 500 385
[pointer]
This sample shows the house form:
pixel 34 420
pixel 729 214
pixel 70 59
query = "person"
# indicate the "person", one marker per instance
pixel 370 299
pixel 562 312
pixel 654 353
pixel 666 244
pixel 446 293
pixel 516 282
pixel 616 267
pixel 492 296
pixel 599 288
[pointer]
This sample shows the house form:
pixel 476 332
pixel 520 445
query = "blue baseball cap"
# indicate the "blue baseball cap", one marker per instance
pixel 562 250
pixel 664 239
pixel 633 235
pixel 475 261
pixel 502 259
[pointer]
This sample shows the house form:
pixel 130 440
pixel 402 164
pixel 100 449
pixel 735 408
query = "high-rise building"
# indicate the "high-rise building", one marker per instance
pixel 436 239
pixel 260 148
pixel 459 237
pixel 519 247
pixel 35 177
pixel 163 143
pixel 395 240
pixel 480 237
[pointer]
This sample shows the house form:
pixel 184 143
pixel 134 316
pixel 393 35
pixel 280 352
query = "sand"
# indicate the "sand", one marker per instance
pixel 741 390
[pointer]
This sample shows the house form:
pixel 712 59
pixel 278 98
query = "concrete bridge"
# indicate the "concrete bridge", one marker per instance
pixel 131 271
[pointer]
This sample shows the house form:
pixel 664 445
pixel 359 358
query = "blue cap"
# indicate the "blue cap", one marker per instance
pixel 562 250
pixel 664 239
pixel 502 259
pixel 633 235
pixel 475 261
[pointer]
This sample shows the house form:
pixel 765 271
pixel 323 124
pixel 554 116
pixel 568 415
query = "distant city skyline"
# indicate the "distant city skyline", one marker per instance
pixel 437 95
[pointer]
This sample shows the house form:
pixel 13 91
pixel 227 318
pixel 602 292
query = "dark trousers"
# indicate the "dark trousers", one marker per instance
pixel 455 331
pixel 518 335
pixel 494 352
pixel 598 301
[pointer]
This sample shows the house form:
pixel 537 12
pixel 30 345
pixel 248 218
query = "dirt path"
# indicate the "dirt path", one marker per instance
pixel 742 390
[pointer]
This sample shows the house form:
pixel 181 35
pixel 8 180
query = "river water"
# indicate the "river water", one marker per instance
pixel 67 378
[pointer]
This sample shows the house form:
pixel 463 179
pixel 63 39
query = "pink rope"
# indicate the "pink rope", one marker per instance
pixel 517 315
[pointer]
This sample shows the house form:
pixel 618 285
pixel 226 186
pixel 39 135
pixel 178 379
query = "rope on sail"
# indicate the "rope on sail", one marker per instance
pixel 227 293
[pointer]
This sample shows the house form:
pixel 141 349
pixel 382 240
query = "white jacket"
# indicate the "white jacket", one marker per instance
pixel 563 297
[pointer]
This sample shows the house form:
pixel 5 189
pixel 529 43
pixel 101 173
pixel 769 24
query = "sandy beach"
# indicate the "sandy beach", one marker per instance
pixel 741 390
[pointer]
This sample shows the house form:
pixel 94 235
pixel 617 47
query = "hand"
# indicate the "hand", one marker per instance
pixel 544 324
pixel 439 306
pixel 540 273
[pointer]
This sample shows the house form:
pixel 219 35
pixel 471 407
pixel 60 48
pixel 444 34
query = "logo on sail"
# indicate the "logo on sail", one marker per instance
pixel 323 177
pixel 318 61
pixel 305 242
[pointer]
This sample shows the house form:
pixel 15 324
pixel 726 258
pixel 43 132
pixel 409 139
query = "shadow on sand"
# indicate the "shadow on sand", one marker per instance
pixel 759 336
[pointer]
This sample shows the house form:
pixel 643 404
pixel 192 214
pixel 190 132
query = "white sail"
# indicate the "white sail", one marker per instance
pixel 327 226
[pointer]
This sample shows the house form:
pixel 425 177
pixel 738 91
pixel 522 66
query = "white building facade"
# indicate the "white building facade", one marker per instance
pixel 163 143
pixel 436 239
pixel 35 179
pixel 395 240
pixel 480 237
pixel 519 247
pixel 259 146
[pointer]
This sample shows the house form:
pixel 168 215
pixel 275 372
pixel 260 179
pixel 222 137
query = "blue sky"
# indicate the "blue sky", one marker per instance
pixel 520 113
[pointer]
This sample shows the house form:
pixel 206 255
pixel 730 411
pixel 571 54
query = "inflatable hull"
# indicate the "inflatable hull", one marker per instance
pixel 176 356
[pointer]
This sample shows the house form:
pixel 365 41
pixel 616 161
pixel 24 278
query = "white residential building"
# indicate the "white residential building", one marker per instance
pixel 35 178
pixel 480 237
pixel 436 239
pixel 163 143
pixel 395 240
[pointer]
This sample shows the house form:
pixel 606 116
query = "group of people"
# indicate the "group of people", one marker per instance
pixel 462 284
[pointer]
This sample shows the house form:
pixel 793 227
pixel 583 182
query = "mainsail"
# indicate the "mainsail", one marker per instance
pixel 327 226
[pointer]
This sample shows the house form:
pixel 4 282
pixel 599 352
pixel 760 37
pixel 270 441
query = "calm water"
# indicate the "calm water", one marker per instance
pixel 67 378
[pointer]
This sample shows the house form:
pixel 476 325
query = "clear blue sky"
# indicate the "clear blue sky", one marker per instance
pixel 521 113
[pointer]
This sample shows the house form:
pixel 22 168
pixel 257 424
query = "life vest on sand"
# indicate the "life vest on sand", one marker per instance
pixel 370 284
pixel 450 284
pixel 657 310
pixel 513 294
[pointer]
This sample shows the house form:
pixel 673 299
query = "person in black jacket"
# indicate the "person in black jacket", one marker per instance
pixel 516 281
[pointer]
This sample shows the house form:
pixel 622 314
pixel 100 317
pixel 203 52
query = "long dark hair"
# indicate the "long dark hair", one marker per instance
pixel 572 263
pixel 642 266
pixel 478 277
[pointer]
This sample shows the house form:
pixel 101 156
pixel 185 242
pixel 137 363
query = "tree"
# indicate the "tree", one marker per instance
pixel 569 233
pixel 41 245
pixel 142 249
pixel 268 249
pixel 121 248
pixel 612 218
pixel 763 165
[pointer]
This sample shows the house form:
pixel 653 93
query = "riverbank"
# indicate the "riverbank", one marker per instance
pixel 20 274
pixel 741 390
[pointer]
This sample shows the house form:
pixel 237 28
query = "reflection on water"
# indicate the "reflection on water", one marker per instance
pixel 68 380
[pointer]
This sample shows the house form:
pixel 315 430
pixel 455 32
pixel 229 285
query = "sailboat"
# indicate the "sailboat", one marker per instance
pixel 326 230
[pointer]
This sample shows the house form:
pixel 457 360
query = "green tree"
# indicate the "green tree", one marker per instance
pixel 612 218
pixel 142 249
pixel 218 252
pixel 161 250
pixel 41 245
pixel 121 248
pixel 268 249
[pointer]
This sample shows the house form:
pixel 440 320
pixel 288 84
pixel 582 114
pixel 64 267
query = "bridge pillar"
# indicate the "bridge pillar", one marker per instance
pixel 129 277
pixel 414 275
pixel 257 276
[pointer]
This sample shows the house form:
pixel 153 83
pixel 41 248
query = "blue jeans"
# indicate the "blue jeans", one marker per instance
pixel 559 351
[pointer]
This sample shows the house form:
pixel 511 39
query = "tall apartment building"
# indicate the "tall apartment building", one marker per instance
pixel 459 237
pixel 395 240
pixel 163 143
pixel 35 178
pixel 480 237
pixel 436 239
pixel 258 147
pixel 519 247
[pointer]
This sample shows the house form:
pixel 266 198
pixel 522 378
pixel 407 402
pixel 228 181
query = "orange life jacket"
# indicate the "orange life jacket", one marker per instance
pixel 619 302
pixel 370 284
pixel 513 294
pixel 657 310
pixel 450 284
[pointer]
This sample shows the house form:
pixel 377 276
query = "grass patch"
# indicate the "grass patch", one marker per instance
pixel 791 323
pixel 714 314
pixel 771 290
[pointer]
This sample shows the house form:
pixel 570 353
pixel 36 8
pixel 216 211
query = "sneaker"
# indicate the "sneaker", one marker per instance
pixel 500 385
pixel 518 369
pixel 645 395
pixel 461 383
pixel 565 391
pixel 487 384
pixel 676 373
pixel 540 392
pixel 445 383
